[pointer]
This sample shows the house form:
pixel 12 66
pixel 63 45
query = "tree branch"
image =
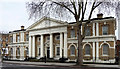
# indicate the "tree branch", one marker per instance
pixel 73 3
pixel 65 7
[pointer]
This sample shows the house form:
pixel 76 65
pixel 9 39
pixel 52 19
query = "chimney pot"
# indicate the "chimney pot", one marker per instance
pixel 100 15
pixel 22 27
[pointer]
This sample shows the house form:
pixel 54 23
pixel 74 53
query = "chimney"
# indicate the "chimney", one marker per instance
pixel 22 27
pixel 100 15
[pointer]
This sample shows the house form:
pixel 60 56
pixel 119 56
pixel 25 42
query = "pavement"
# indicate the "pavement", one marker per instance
pixel 61 64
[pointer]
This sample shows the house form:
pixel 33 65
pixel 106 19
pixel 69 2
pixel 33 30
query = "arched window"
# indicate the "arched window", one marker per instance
pixel 18 51
pixel 11 51
pixel 72 50
pixel 87 49
pixel 105 49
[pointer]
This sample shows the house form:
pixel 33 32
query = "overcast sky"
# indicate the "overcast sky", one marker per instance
pixel 13 14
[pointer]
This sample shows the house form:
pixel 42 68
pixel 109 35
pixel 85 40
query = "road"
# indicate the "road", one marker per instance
pixel 21 66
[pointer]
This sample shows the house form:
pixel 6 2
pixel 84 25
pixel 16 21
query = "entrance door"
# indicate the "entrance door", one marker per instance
pixel 48 52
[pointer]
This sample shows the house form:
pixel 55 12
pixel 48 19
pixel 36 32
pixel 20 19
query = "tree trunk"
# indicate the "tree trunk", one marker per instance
pixel 80 52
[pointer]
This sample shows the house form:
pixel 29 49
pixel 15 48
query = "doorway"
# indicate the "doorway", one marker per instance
pixel 48 52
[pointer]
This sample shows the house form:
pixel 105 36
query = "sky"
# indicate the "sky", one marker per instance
pixel 13 14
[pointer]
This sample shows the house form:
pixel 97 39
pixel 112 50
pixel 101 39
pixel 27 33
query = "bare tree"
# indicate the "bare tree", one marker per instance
pixel 77 9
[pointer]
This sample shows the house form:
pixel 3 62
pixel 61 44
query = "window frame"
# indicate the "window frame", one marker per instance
pixel 72 33
pixel 18 39
pixel 71 51
pixel 18 51
pixel 88 28
pixel 103 48
pixel 105 31
pixel 27 37
pixel 56 50
pixel 86 50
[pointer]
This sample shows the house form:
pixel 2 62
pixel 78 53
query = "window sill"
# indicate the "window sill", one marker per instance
pixel 72 55
pixel 105 55
pixel 87 55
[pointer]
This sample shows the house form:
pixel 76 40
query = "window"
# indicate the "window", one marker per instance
pixel 58 51
pixel 27 51
pixel 88 31
pixel 18 38
pixel 39 51
pixel 27 37
pixel 38 39
pixel 72 33
pixel 72 50
pixel 87 49
pixel 105 49
pixel 11 51
pixel 48 38
pixel 57 37
pixel 105 29
pixel 11 39
pixel 18 51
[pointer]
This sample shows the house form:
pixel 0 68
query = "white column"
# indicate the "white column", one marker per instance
pixel 97 29
pixel 51 46
pixel 42 47
pixel 30 51
pixel 33 48
pixel 93 51
pixel 61 44
pixel 65 44
pixel 97 51
pixel 93 29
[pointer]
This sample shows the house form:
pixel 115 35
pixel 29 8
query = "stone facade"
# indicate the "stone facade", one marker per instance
pixel 56 39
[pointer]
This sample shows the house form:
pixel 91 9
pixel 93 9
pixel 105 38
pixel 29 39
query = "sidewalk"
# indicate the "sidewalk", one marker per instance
pixel 61 64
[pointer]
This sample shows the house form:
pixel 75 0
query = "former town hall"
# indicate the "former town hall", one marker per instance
pixel 56 39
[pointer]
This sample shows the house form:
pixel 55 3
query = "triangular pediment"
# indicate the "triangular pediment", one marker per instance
pixel 46 22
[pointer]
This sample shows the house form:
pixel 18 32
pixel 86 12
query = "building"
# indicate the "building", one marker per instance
pixel 56 39
pixel 18 44
pixel 4 39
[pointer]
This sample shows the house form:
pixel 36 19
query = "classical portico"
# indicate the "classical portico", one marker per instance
pixel 46 47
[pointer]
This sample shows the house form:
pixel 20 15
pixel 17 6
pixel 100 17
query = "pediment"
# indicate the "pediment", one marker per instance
pixel 46 22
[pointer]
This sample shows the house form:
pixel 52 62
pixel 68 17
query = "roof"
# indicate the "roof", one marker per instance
pixel 18 30
pixel 94 19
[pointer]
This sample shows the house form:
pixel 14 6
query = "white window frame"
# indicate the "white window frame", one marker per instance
pixel 107 29
pixel 70 50
pixel 88 28
pixel 85 50
pixel 102 50
pixel 57 45
pixel 27 37
pixel 71 33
